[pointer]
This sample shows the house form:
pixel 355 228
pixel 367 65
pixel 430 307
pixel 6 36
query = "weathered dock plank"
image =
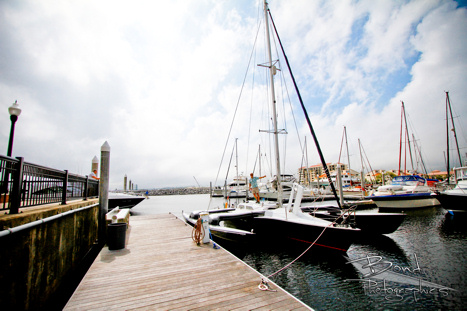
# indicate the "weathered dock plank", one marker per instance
pixel 161 268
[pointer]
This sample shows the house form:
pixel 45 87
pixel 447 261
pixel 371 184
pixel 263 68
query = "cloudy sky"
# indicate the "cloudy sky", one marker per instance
pixel 160 82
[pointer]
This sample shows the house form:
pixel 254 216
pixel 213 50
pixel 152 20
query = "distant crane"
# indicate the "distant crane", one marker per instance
pixel 197 182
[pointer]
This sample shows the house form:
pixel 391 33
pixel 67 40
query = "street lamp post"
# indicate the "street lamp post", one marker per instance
pixel 14 111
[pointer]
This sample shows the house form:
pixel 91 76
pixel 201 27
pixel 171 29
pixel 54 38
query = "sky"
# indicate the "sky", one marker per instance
pixel 161 82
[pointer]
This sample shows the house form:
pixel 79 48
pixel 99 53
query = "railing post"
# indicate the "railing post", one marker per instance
pixel 86 189
pixel 15 196
pixel 65 187
pixel 104 191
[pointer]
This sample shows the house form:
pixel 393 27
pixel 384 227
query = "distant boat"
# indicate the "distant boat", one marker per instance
pixel 123 200
pixel 404 192
pixel 269 191
pixel 237 188
pixel 217 192
pixel 455 200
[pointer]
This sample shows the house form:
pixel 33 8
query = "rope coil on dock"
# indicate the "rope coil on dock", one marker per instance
pixel 198 232
pixel 265 286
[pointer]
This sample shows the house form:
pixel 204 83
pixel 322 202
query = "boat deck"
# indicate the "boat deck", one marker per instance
pixel 162 268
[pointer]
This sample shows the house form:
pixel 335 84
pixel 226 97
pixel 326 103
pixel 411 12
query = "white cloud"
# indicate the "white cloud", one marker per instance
pixel 160 82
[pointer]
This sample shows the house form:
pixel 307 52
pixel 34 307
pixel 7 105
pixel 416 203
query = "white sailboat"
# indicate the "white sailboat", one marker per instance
pixel 275 222
pixel 454 200
pixel 405 191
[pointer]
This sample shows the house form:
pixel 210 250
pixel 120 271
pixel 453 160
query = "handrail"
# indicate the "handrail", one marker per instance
pixel 24 184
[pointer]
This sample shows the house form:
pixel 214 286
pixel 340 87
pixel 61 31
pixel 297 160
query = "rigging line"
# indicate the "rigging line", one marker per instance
pixel 369 165
pixel 453 127
pixel 407 135
pixel 419 148
pixel 284 83
pixel 251 114
pixel 308 248
pixel 254 166
pixel 230 162
pixel 236 108
pixel 342 142
pixel 284 160
pixel 293 114
pixel 323 162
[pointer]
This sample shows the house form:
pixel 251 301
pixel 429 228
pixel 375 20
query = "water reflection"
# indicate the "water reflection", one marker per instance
pixel 379 244
pixel 453 226
pixel 309 277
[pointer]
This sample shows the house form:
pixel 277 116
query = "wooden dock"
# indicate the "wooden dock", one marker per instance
pixel 161 268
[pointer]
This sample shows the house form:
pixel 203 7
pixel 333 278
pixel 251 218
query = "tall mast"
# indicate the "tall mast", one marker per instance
pixel 310 126
pixel 400 142
pixel 259 158
pixel 407 143
pixel 348 156
pixel 407 136
pixel 344 136
pixel 236 159
pixel 272 71
pixel 448 104
pixel 447 137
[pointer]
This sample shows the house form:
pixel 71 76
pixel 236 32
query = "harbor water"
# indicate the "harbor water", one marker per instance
pixel 421 266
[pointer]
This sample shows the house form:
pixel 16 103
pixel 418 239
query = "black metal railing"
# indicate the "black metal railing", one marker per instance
pixel 25 184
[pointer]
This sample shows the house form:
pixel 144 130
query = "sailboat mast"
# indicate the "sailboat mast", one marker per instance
pixel 447 137
pixel 407 136
pixel 400 141
pixel 272 70
pixel 236 159
pixel 448 102
pixel 348 156
pixel 259 158
pixel 407 143
pixel 320 153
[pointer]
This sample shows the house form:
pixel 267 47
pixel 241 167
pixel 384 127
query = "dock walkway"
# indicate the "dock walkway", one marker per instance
pixel 161 268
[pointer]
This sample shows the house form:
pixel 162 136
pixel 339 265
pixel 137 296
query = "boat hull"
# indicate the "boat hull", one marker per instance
pixel 124 201
pixel 381 223
pixel 453 203
pixel 405 201
pixel 336 239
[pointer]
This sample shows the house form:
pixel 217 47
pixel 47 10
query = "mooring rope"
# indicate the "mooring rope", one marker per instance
pixel 264 282
pixel 198 232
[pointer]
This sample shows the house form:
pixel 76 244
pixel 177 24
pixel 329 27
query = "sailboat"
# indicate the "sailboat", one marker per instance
pixel 285 223
pixel 350 184
pixel 405 191
pixel 454 200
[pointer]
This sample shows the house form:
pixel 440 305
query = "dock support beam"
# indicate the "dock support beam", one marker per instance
pixel 104 191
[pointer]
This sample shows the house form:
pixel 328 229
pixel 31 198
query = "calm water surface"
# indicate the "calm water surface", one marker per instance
pixel 428 246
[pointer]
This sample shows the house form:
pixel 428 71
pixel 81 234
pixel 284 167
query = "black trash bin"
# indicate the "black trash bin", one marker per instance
pixel 116 235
